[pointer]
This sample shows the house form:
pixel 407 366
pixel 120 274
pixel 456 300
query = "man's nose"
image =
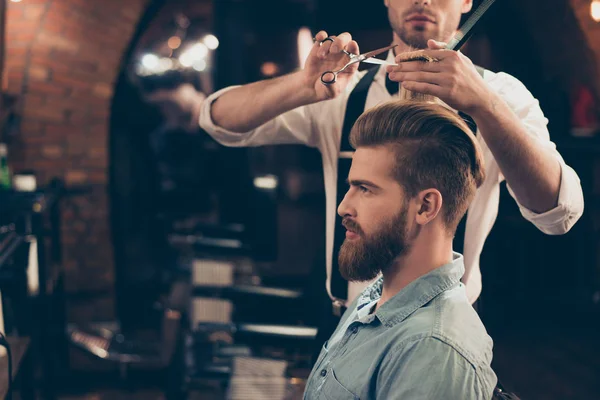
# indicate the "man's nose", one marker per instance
pixel 345 207
pixel 421 2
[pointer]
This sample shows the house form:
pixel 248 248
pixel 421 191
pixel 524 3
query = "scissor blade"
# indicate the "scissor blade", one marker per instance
pixel 377 61
pixel 378 51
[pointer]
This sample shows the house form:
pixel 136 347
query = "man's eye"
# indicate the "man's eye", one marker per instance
pixel 363 189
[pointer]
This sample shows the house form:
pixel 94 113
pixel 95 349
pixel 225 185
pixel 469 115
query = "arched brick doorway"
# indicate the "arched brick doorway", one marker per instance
pixel 62 59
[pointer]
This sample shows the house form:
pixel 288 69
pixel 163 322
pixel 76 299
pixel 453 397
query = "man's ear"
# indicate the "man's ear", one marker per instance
pixel 429 203
pixel 467 6
pixel 386 2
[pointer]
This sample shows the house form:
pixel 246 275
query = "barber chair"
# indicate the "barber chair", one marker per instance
pixel 106 341
pixel 153 347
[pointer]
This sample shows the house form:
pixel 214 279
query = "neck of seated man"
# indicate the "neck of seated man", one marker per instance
pixel 431 249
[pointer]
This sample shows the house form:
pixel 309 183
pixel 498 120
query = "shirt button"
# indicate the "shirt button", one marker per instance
pixel 323 372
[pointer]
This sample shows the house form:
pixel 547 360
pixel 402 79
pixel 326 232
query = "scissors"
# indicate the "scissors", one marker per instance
pixel 329 77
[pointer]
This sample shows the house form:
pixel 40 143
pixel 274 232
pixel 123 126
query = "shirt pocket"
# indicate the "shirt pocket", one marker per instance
pixel 333 390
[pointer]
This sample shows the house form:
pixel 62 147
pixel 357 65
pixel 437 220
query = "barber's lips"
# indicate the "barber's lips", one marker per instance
pixel 420 19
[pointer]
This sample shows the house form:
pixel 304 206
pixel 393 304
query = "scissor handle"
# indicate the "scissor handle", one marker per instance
pixel 328 77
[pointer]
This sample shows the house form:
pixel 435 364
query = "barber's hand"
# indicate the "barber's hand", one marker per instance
pixel 453 78
pixel 328 56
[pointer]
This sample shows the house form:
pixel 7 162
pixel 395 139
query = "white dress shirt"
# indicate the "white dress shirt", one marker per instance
pixel 320 125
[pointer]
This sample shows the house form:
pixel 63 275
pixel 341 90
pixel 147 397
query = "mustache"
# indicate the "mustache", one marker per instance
pixel 351 225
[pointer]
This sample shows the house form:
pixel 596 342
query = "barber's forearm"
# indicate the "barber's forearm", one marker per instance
pixel 533 173
pixel 247 107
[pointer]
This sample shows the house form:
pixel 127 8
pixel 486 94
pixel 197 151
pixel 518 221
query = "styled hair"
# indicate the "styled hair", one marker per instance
pixel 433 147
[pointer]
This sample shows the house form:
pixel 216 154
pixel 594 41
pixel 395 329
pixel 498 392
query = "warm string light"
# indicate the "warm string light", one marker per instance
pixel 211 41
pixel 174 42
pixel 269 68
pixel 595 10
pixel 196 56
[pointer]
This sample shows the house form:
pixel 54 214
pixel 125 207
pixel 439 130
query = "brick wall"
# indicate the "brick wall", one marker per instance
pixel 63 57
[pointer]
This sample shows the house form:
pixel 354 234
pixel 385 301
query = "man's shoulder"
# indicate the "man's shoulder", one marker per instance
pixel 448 366
pixel 451 320
pixel 459 325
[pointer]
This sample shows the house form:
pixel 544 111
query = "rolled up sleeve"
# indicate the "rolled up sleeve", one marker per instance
pixel 292 127
pixel 569 209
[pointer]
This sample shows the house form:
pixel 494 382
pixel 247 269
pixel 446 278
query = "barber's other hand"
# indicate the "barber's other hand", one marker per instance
pixel 453 78
pixel 328 56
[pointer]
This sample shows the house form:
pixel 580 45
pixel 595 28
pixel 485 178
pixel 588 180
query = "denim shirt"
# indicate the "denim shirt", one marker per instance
pixel 427 342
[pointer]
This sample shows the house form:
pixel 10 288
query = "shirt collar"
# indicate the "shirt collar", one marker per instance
pixel 416 294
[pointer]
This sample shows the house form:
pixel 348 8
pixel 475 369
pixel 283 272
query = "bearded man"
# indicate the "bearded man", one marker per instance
pixel 412 334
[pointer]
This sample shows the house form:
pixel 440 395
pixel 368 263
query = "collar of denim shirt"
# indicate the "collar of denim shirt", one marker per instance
pixel 416 294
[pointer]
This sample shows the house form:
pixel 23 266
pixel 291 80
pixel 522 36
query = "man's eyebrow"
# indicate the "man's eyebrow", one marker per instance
pixel 362 182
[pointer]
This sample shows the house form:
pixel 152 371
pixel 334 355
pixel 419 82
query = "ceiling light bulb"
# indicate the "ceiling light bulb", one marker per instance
pixel 595 10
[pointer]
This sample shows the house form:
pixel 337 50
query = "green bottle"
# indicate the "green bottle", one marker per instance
pixel 5 182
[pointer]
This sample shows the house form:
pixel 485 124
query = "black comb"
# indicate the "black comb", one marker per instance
pixel 464 32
